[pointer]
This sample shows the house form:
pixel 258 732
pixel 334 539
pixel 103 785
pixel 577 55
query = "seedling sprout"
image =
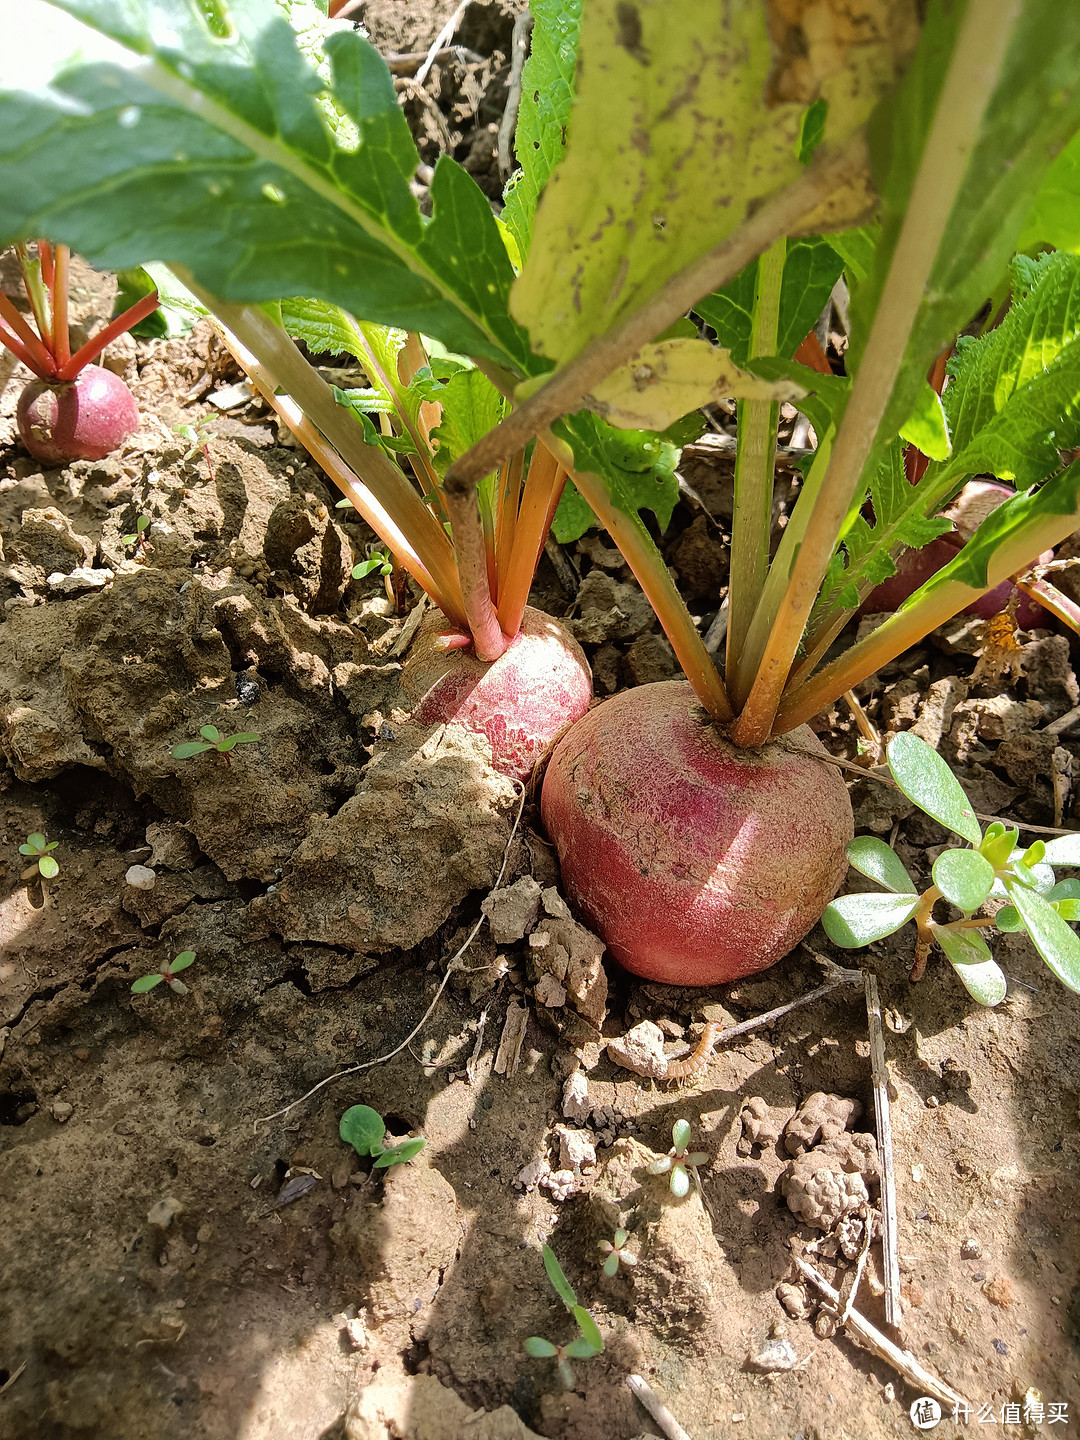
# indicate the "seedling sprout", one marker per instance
pixel 138 535
pixel 994 868
pixel 589 1342
pixel 44 864
pixel 364 1129
pixel 212 740
pixel 616 1253
pixel 677 1162
pixel 168 973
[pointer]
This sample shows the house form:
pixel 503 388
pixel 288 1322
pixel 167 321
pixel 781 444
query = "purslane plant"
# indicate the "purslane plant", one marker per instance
pixel 40 850
pixel 167 973
pixel 276 181
pixel 994 869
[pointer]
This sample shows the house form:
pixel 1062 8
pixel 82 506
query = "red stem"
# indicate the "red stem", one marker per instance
pixel 42 363
pixel 19 350
pixel 57 281
pixel 470 552
pixel 94 346
pixel 45 258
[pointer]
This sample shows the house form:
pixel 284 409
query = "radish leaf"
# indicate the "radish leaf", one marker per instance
pixel 363 1129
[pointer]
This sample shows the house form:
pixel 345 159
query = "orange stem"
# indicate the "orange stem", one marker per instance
pixel 543 486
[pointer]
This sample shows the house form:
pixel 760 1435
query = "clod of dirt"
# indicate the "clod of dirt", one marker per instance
pixel 577 1149
pixel 773 1357
pixel 513 911
pixel 795 1300
pixel 827 1183
pixel 429 822
pixel 45 543
pixel 610 610
pixel 570 954
pixel 819 1117
pixel 173 846
pixel 641 1050
pixel 577 1104
pixel 758 1126
pixel 419 1408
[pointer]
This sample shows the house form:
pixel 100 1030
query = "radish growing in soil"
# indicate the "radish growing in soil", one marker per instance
pixel 571 356
pixel 74 410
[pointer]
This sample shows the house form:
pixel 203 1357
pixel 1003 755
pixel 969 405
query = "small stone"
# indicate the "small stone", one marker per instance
pixel 576 1102
pixel 1000 1291
pixel 82 578
pixel 164 1212
pixel 555 905
pixel 339 1177
pixel 776 1355
pixel 590 1055
pixel 513 912
pixel 795 1300
pixel 970 1250
pixel 141 877
pixel 577 1149
pixel 641 1050
pixel 62 1111
pixel 549 992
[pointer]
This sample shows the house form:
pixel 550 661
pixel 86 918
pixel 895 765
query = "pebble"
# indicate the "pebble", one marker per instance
pixel 970 1250
pixel 141 877
pixel 776 1355
pixel 164 1212
pixel 62 1111
pixel 576 1103
pixel 81 578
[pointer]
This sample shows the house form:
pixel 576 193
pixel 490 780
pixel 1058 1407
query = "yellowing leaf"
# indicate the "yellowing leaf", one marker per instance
pixel 666 380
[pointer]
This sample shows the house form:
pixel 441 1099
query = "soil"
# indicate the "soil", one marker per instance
pixel 177 1266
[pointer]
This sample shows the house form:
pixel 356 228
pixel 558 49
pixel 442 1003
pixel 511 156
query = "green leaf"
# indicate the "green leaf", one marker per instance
pixel 589 1333
pixel 926 427
pixel 539 1348
pixel 611 1264
pixel 680 1134
pixel 363 1129
pixel 399 1154
pixel 621 1237
pixel 872 857
pixel 178 311
pixel 661 1166
pixel 925 779
pixel 998 844
pixel 1035 852
pixel 35 844
pixel 48 868
pixel 856 248
pixel 970 957
pixel 221 158
pixel 210 732
pixel 547 94
pixel 679 1183
pixel 669 149
pixel 580 1349
pixel 246 737
pixel 182 961
pixel 813 129
pixel 1061 850
pixel 190 748
pixel 374 562
pixel 1054 217
pixel 471 406
pixel 147 982
pixel 964 877
pixel 1008 920
pixel 854 920
pixel 1064 890
pixel 1051 935
pixel 1067 909
pixel 573 516
pixel 637 467
pixel 563 1288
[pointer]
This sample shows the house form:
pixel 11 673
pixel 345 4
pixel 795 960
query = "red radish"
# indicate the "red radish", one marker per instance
pixel 81 419
pixel 521 701
pixel 696 862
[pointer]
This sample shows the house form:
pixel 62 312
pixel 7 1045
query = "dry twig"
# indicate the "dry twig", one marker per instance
pixel 656 1408
pixel 871 1337
pixel 883 1119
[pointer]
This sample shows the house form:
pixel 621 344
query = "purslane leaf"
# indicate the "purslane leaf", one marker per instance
pixel 214 154
pixel 925 778
pixel 851 921
pixel 964 877
pixel 1055 940
pixel 872 857
pixel 970 957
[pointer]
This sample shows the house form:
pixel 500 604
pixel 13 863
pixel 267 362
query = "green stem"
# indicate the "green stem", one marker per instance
pixel 754 470
pixel 970 81
pixel 639 552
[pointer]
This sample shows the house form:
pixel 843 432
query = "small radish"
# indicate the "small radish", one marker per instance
pixel 81 419
pixel 696 862
pixel 521 701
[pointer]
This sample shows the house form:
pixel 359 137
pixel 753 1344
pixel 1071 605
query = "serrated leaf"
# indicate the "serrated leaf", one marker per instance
pixel 964 877
pixel 182 961
pixel 1051 935
pixel 563 1288
pixel 363 1129
pixel 970 957
pixel 589 1332
pixel 666 380
pixel 48 868
pixel 539 1348
pixel 145 983
pixel 1063 850
pixel 623 213
pixel 547 93
pixel 851 921
pixel 191 747
pixel 222 159
pixel 178 310
pixel 925 778
pixel 638 467
pixel 926 427
pixel 872 857
pixel 471 406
